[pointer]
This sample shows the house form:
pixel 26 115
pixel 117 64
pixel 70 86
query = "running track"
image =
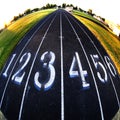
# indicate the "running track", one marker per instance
pixel 59 71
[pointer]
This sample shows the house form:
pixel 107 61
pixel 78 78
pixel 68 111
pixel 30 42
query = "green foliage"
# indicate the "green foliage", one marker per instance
pixel 75 8
pixel 89 17
pixel 5 26
pixel 48 6
pixel 64 5
pixel 90 12
pixel 28 11
pixel 36 9
pixel 15 18
pixel 69 5
pixel 2 117
pixel 21 15
pixel 13 34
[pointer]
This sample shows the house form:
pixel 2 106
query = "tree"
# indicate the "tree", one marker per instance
pixel 71 5
pixel 28 11
pixel 35 9
pixel 103 19
pixel 21 15
pixel 75 8
pixel 5 26
pixel 67 5
pixel 64 5
pixel 43 8
pixel 89 11
pixel 81 10
pixel 15 18
pixel 48 6
pixel 53 5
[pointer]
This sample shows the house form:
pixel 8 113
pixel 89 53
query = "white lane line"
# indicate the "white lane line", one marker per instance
pixel 115 91
pixel 116 94
pixel 117 98
pixel 108 74
pixel 23 97
pixel 98 95
pixel 18 59
pixel 62 78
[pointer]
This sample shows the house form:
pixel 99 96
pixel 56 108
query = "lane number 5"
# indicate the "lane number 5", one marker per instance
pixel 101 71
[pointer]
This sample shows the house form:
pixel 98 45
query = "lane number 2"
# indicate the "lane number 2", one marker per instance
pixel 18 76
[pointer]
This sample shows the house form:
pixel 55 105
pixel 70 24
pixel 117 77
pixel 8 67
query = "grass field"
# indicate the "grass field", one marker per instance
pixel 109 41
pixel 11 36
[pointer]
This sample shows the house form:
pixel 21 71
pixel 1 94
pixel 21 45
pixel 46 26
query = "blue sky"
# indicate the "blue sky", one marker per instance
pixel 108 9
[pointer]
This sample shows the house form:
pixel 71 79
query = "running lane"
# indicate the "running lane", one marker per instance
pixel 59 70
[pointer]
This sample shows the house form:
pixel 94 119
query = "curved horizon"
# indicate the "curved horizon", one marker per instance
pixel 106 9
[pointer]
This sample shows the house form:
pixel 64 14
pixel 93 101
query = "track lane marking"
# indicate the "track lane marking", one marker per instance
pixel 62 78
pixel 18 59
pixel 98 95
pixel 23 97
pixel 116 94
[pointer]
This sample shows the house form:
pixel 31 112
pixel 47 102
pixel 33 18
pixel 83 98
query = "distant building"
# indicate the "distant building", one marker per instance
pixel 98 18
pixel 56 7
pixel 116 31
pixel 69 9
pixel 114 27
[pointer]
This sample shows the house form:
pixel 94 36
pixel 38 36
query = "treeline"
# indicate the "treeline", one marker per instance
pixel 28 11
pixel 64 5
pixel 49 6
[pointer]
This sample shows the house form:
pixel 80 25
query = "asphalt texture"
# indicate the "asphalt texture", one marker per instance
pixel 59 71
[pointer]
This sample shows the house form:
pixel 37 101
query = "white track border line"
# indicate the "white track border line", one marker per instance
pixel 100 104
pixel 31 68
pixel 18 59
pixel 62 77
pixel 118 101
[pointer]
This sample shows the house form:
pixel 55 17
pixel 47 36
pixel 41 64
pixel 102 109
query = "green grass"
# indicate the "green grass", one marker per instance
pixel 117 116
pixel 2 117
pixel 14 33
pixel 108 40
pixel 91 18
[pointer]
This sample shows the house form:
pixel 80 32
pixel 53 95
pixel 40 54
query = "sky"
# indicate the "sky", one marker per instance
pixel 108 9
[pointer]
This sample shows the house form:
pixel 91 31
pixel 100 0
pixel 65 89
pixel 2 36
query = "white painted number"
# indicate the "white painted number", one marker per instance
pixel 5 74
pixel 48 59
pixel 110 66
pixel 18 76
pixel 102 74
pixel 80 72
